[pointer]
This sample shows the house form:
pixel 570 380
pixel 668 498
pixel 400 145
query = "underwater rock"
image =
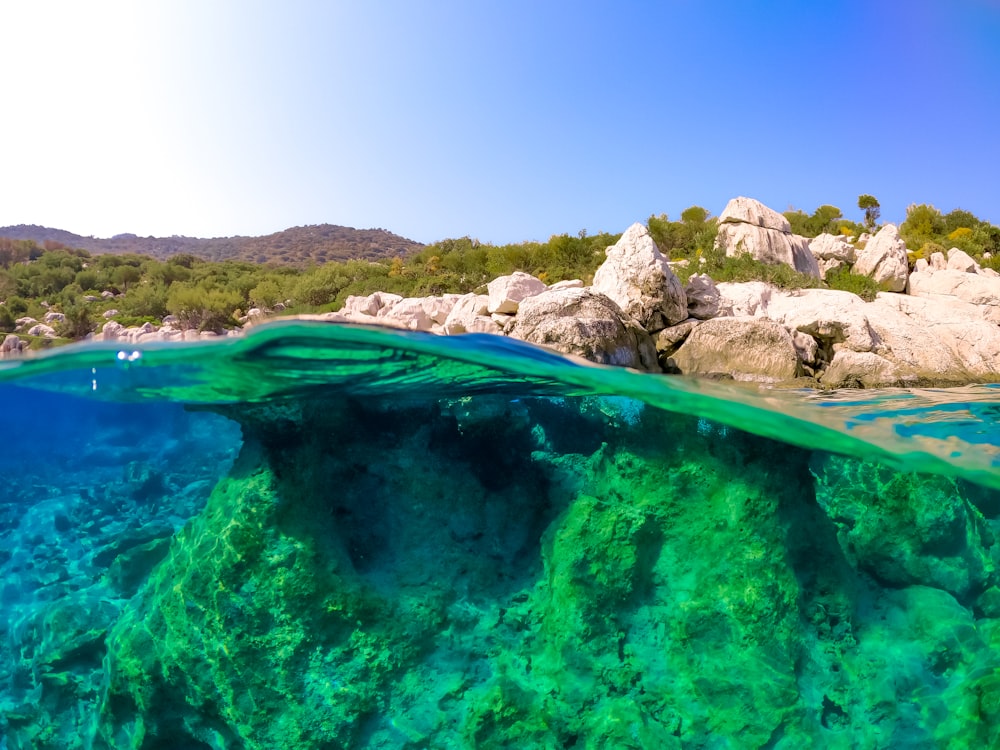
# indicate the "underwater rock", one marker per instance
pixel 906 529
pixel 536 573
pixel 424 567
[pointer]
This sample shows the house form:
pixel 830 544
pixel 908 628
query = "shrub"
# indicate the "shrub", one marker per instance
pixel 266 294
pixel 17 306
pixel 744 267
pixel 148 300
pixel 864 286
pixel 77 324
pixel 203 308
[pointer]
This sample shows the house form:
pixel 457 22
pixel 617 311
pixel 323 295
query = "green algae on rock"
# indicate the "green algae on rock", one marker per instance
pixel 367 578
pixel 443 544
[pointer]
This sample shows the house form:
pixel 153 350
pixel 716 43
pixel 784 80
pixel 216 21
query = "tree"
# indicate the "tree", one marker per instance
pixel 125 275
pixel 870 205
pixel 959 219
pixel 266 294
pixel 824 219
pixel 148 300
pixel 924 223
pixel 77 323
pixel 694 215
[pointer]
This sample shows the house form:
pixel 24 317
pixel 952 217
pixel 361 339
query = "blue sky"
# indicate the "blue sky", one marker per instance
pixel 505 121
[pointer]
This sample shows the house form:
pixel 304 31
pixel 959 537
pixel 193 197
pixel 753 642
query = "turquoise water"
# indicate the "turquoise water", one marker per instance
pixel 331 536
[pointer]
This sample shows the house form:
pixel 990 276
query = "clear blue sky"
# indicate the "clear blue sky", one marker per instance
pixel 505 121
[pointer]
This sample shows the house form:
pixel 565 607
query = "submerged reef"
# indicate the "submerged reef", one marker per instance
pixel 562 573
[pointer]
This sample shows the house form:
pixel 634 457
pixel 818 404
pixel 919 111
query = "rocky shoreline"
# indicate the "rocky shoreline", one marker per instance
pixel 937 324
pixel 938 327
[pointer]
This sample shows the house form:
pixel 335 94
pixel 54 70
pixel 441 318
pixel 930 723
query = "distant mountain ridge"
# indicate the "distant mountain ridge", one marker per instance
pixel 316 243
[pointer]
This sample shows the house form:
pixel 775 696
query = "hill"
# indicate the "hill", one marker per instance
pixel 317 243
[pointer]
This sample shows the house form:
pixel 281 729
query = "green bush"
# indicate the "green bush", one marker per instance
pixel 17 306
pixel 146 300
pixel 684 239
pixel 266 294
pixel 744 267
pixel 864 286
pixel 203 308
pixel 89 279
pixel 77 324
pixel 826 218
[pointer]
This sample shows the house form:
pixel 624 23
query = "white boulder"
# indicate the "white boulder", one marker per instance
pixel 746 348
pixel 832 247
pixel 470 314
pixel 507 292
pixel 411 312
pixel 746 225
pixel 587 324
pixel 832 252
pixel 744 298
pixel 951 284
pixel 372 304
pixel 884 259
pixel 40 329
pixel 850 369
pixel 110 331
pixel 749 211
pixel 638 278
pixel 958 260
pixel 11 344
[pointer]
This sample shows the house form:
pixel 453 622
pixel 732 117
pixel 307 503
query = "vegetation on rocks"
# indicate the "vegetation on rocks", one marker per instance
pixel 87 287
pixel 926 230
pixel 824 219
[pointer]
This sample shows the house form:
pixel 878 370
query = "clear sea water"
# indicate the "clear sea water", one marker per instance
pixel 334 536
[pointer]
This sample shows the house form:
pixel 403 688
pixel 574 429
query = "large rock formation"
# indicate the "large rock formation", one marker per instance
pixel 905 529
pixel 639 280
pixel 587 324
pixel 744 348
pixel 884 259
pixel 749 226
pixel 832 252
pixel 950 285
pixel 506 292
pixel 470 315
pixel 904 340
